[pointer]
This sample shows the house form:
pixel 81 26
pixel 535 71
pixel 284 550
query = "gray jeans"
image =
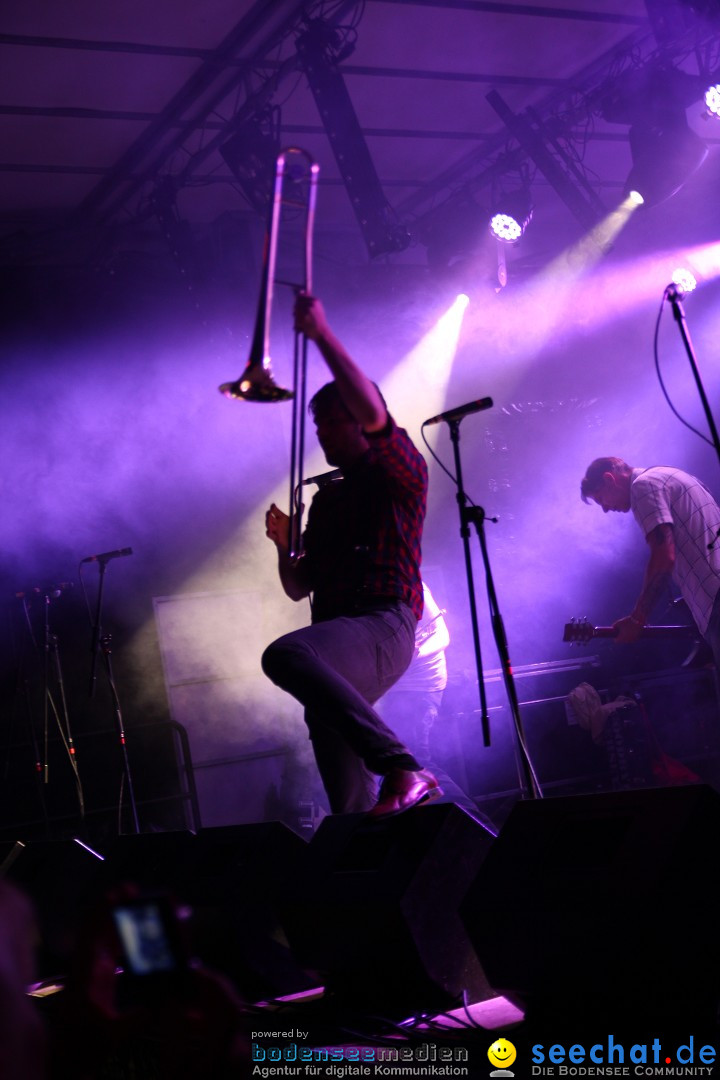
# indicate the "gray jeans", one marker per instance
pixel 337 669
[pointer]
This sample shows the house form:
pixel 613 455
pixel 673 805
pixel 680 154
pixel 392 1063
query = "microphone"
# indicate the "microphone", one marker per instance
pixel 463 410
pixel 45 590
pixel 324 478
pixel 105 556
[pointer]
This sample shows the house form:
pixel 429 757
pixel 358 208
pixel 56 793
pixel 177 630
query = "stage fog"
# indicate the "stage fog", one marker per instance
pixel 115 436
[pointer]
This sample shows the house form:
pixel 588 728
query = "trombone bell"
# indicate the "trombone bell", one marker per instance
pixel 255 384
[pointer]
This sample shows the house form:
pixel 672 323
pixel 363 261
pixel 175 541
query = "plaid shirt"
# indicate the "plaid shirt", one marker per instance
pixel 665 496
pixel 362 541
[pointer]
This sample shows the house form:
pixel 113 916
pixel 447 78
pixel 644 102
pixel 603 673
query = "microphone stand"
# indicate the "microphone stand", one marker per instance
pixel 462 501
pixel 674 295
pixel 51 665
pixel 62 715
pixel 101 643
pixel 475 515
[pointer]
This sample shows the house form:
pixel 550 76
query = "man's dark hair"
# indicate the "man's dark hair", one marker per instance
pixel 592 480
pixel 329 395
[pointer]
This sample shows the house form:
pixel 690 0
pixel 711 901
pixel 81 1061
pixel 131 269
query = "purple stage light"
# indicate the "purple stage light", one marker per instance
pixel 712 99
pixel 505 227
pixel 684 279
pixel 511 215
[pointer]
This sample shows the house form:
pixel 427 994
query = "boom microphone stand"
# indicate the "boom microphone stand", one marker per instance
pixel 674 294
pixel 475 516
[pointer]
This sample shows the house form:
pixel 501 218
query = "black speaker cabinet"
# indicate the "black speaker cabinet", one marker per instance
pixel 232 878
pixel 375 908
pixel 604 906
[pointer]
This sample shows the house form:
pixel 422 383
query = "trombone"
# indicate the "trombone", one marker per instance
pixel 297 168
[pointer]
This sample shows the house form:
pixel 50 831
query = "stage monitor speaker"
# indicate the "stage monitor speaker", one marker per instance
pixel 374 910
pixel 604 906
pixel 232 878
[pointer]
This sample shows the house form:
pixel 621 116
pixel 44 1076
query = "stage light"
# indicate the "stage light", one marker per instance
pixel 511 216
pixel 712 100
pixel 635 198
pixel 684 279
pixel 505 227
pixel 462 300
pixel 665 154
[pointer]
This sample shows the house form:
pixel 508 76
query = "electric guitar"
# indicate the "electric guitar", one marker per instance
pixel 580 631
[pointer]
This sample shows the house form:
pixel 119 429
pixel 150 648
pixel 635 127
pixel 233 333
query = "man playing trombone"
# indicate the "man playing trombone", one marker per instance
pixel 361 566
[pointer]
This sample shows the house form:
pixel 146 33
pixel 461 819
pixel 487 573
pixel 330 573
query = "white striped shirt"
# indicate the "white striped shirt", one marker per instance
pixel 665 496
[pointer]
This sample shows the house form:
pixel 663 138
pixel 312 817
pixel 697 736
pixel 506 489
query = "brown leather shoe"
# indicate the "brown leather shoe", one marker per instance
pixel 402 789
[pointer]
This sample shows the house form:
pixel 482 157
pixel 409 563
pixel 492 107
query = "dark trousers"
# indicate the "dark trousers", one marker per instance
pixel 337 669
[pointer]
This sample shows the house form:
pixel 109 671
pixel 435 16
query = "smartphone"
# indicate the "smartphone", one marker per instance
pixel 150 937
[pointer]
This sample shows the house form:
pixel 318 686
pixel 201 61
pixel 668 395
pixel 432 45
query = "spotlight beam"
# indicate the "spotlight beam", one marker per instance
pixel 542 305
pixel 585 206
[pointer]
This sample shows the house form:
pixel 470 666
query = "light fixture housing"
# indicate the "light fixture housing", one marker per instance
pixel 250 154
pixel 665 154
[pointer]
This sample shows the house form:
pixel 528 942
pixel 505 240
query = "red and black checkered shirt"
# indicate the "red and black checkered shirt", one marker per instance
pixel 362 541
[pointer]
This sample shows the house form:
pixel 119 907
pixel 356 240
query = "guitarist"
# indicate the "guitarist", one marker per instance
pixel 681 523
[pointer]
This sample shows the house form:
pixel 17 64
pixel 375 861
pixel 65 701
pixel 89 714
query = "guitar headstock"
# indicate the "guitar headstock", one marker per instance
pixel 579 631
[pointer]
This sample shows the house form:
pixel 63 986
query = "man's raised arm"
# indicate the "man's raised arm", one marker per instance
pixel 359 394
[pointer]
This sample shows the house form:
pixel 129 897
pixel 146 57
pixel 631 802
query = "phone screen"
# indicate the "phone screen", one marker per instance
pixel 149 944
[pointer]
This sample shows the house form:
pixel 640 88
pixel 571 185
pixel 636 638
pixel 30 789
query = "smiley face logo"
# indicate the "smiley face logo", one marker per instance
pixel 502 1053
